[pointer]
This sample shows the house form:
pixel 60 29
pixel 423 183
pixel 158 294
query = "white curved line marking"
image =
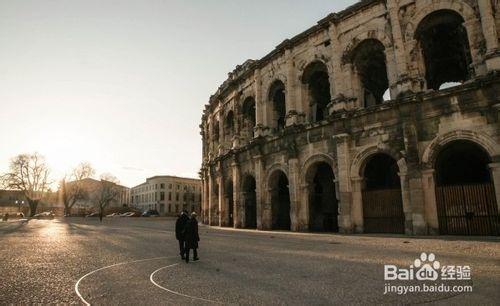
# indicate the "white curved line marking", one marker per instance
pixel 104 268
pixel 151 278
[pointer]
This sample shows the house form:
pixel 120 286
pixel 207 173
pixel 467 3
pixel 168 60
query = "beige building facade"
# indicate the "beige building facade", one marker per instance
pixel 91 189
pixel 380 118
pixel 169 195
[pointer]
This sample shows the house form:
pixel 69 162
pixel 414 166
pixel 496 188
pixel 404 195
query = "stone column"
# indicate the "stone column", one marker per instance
pixel 357 204
pixel 342 183
pixel 210 198
pixel 489 28
pixel 237 207
pixel 260 197
pixel 296 216
pixel 495 175
pixel 292 103
pixel 222 201
pixel 407 209
pixel 402 82
pixel 305 191
pixel 428 187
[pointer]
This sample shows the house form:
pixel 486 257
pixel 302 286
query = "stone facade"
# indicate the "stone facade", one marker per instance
pixel 167 194
pixel 353 114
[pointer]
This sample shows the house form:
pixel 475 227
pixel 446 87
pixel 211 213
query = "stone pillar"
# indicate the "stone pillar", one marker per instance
pixel 260 128
pixel 357 204
pixel 428 187
pixel 402 82
pixel 296 207
pixel 222 221
pixel 495 175
pixel 204 199
pixel 407 209
pixel 261 198
pixel 488 25
pixel 210 199
pixel 303 214
pixel 342 183
pixel 292 102
pixel 237 207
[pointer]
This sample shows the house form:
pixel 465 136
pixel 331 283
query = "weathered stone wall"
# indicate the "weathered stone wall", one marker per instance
pixel 411 126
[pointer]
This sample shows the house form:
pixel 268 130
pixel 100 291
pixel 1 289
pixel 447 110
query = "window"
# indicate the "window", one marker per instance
pixel 178 187
pixel 315 78
pixel 177 196
pixel 162 186
pixel 184 197
pixel 162 196
pixel 156 196
pixel 277 98
pixel 169 186
pixel 169 208
pixel 170 196
pixel 176 208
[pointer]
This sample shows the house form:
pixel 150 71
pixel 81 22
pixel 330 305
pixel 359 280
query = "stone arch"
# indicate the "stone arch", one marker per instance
pixel 360 159
pixel 273 168
pixel 316 87
pixel 317 158
pixel 432 150
pixel 356 40
pixel 460 7
pixel 278 185
pixel 276 97
pixel 370 60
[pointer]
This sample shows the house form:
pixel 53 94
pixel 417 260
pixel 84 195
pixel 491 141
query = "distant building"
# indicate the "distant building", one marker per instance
pixel 91 187
pixel 167 194
pixel 9 197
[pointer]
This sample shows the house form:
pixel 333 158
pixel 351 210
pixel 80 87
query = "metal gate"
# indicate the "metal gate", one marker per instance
pixel 383 211
pixel 467 210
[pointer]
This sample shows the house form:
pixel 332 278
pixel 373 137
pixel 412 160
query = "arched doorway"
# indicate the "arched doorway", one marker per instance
pixel 249 202
pixel 465 195
pixel 445 48
pixel 280 201
pixel 248 111
pixel 229 202
pixel 323 203
pixel 382 202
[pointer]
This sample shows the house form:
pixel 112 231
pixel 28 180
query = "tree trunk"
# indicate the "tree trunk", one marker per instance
pixel 33 205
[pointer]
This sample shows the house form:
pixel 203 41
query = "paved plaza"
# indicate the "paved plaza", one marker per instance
pixel 131 261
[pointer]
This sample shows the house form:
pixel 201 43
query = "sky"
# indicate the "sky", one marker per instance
pixel 122 84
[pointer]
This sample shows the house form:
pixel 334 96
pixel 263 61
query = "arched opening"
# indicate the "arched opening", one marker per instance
pixel 465 195
pixel 445 48
pixel 368 59
pixel 382 202
pixel 249 120
pixel 280 201
pixel 315 77
pixel 277 98
pixel 215 131
pixel 249 202
pixel 323 203
pixel 229 123
pixel 229 202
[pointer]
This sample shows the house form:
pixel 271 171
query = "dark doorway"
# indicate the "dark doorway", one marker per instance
pixel 445 47
pixel 368 59
pixel 316 78
pixel 280 201
pixel 277 97
pixel 465 195
pixel 249 202
pixel 323 203
pixel 230 203
pixel 382 202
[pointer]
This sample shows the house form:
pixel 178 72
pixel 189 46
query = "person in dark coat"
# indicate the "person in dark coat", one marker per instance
pixel 180 226
pixel 192 237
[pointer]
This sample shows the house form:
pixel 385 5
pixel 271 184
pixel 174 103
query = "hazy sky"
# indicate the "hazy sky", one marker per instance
pixel 122 84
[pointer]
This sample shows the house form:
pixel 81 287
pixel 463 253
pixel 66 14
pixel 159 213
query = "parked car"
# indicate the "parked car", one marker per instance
pixel 151 213
pixel 44 215
pixel 94 214
pixel 113 215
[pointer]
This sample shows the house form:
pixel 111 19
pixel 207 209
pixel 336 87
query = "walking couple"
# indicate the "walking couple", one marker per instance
pixel 186 232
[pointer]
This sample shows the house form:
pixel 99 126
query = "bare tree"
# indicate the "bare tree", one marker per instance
pixel 28 173
pixel 107 192
pixel 72 187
